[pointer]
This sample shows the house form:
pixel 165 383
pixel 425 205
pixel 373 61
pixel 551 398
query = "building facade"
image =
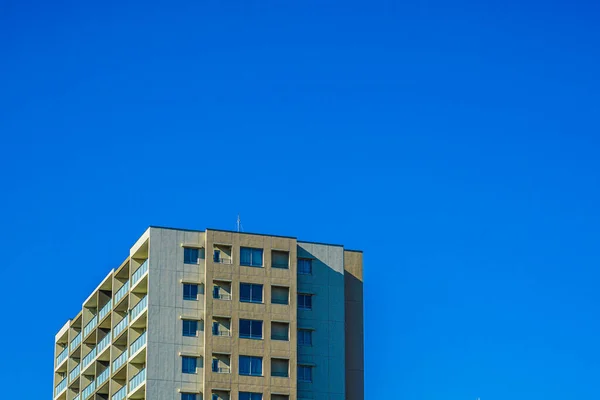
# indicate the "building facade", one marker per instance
pixel 218 315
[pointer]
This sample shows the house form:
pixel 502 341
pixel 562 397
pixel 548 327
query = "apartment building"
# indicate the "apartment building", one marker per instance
pixel 218 315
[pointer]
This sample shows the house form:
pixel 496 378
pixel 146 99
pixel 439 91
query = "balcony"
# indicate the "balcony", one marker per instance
pixel 221 296
pixel 89 358
pixel 221 370
pixel 60 387
pixel 221 332
pixel 103 377
pixel 62 356
pixel 120 361
pixel 90 326
pixel 120 327
pixel 103 343
pixel 75 342
pixel 74 374
pixel 138 344
pixel 137 275
pixel 105 310
pixel 121 292
pixel 140 306
pixel 137 380
pixel 120 395
pixel 88 391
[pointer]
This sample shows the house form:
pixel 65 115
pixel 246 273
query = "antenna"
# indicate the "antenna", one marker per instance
pixel 240 228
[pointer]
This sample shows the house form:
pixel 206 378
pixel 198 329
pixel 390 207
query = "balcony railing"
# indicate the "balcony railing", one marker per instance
pixel 139 308
pixel 103 343
pixel 62 356
pixel 89 390
pixel 105 310
pixel 139 273
pixel 221 370
pixel 75 342
pixel 60 387
pixel 220 260
pixel 221 332
pixel 279 374
pixel 281 265
pixel 137 380
pixel 275 336
pixel 222 296
pixel 88 359
pixel 102 377
pixel 276 300
pixel 91 325
pixel 138 344
pixel 77 397
pixel 120 395
pixel 121 292
pixel 119 361
pixel 121 326
pixel 74 373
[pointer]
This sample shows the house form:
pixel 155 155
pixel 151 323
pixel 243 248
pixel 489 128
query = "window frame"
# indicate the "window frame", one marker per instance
pixel 188 296
pixel 251 359
pixel 302 305
pixel 303 271
pixel 189 359
pixel 186 260
pixel 252 262
pixel 251 321
pixel 250 300
pixel 194 322
pixel 189 396
pixel 307 368
pixel 251 396
pixel 304 331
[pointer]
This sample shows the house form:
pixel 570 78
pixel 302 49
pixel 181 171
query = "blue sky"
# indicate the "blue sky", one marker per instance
pixel 455 143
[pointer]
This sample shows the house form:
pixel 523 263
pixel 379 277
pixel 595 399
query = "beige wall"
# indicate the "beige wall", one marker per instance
pixel 353 292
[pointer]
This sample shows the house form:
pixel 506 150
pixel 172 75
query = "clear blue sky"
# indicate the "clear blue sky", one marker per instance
pixel 455 143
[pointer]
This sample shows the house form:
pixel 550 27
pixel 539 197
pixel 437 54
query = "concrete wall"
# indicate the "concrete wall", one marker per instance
pixel 327 353
pixel 166 344
pixel 353 283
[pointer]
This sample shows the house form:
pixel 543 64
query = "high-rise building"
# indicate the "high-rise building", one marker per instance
pixel 218 315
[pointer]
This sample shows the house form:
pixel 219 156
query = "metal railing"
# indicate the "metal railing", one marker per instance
pixel 60 387
pixel 74 373
pixel 75 342
pixel 138 344
pixel 221 332
pixel 121 292
pixel 280 265
pixel 103 343
pixel 62 356
pixel 221 260
pixel 105 310
pixel 77 397
pixel 90 325
pixel 139 307
pixel 276 300
pixel 137 380
pixel 89 390
pixel 279 374
pixel 119 361
pixel 222 296
pixel 139 273
pixel 221 370
pixel 279 337
pixel 120 395
pixel 88 359
pixel 102 377
pixel 120 327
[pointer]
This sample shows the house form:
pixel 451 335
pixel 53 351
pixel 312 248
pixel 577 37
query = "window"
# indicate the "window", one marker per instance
pixel 304 337
pixel 304 266
pixel 251 329
pixel 190 255
pixel 190 291
pixel 188 396
pixel 220 363
pixel 280 367
pixel 221 326
pixel 251 293
pixel 250 396
pixel 190 327
pixel 304 373
pixel 188 365
pixel 217 256
pixel 280 259
pixel 251 257
pixel 304 301
pixel 222 290
pixel 280 397
pixel 280 295
pixel 280 331
pixel 251 366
